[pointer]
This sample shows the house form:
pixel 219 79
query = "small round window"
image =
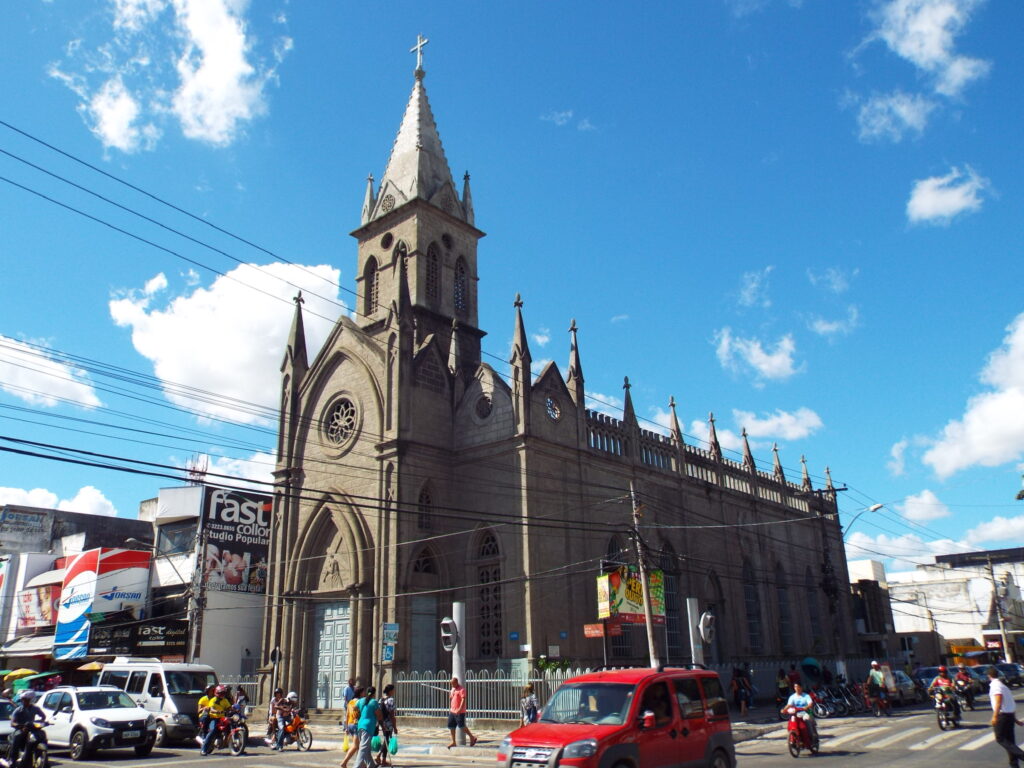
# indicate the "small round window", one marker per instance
pixel 340 422
pixel 553 409
pixel 484 407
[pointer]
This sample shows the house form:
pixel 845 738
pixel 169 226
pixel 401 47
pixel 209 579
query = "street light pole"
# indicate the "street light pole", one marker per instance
pixel 644 586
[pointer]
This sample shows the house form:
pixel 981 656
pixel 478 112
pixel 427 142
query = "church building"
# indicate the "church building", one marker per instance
pixel 412 473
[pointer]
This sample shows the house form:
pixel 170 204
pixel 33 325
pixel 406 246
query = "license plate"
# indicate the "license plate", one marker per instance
pixel 131 734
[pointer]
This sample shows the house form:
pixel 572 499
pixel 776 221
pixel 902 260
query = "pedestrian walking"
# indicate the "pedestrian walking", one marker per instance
pixel 529 708
pixel 457 712
pixel 369 718
pixel 352 725
pixel 388 724
pixel 1004 716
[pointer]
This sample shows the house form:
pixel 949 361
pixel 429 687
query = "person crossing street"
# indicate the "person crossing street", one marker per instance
pixel 1004 717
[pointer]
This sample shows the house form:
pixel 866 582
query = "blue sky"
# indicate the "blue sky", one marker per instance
pixel 802 216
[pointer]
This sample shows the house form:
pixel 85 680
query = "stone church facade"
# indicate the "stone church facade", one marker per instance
pixel 411 474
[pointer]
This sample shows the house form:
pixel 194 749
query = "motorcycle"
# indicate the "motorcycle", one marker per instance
pixel 964 695
pixel 946 711
pixel 800 733
pixel 230 732
pixel 35 746
pixel 297 731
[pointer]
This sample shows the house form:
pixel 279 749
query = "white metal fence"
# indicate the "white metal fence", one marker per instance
pixel 249 683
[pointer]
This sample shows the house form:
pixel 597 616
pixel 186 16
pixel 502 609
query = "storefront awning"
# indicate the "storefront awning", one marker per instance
pixel 37 645
pixel 45 579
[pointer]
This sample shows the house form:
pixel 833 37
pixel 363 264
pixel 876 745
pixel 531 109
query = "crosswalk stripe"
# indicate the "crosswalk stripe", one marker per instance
pixel 933 740
pixel 978 743
pixel 829 743
pixel 898 737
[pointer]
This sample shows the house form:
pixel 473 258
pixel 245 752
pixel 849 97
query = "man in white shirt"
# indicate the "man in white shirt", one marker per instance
pixel 1004 716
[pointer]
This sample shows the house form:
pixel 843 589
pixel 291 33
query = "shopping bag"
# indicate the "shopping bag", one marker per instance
pixel 344 743
pixel 393 745
pixel 375 744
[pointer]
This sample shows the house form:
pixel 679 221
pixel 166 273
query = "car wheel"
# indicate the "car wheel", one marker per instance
pixel 161 734
pixel 143 750
pixel 79 746
pixel 719 760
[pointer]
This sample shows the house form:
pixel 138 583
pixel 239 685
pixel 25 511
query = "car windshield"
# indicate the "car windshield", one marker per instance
pixel 104 700
pixel 6 708
pixel 597 703
pixel 190 682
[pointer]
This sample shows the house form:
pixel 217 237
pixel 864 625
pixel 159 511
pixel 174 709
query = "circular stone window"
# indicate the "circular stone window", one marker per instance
pixel 447 240
pixel 553 409
pixel 340 422
pixel 484 406
pixel 386 241
pixel 388 203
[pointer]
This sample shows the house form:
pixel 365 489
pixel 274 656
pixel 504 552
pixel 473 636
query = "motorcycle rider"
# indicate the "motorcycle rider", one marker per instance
pixel 22 719
pixel 285 711
pixel 944 683
pixel 804 705
pixel 214 708
pixel 967 683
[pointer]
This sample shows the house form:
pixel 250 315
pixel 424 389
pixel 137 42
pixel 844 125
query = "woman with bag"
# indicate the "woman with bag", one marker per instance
pixel 350 744
pixel 529 709
pixel 388 726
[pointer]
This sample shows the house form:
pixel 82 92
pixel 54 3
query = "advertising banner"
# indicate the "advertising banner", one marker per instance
pixel 98 581
pixel 37 607
pixel 236 529
pixel 158 637
pixel 24 530
pixel 620 596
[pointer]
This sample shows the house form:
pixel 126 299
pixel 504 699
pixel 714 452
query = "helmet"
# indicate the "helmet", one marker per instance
pixel 27 695
pixel 874 663
pixel 293 696
pixel 943 670
pixel 220 690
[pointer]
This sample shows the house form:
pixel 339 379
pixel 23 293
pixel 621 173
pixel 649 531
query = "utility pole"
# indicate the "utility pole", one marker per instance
pixel 645 588
pixel 1007 650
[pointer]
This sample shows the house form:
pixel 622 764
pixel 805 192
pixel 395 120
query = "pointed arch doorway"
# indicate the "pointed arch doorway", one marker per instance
pixel 332 631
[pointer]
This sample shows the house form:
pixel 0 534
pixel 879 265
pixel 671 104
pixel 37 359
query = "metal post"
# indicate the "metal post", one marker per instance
pixel 645 588
pixel 1007 650
pixel 459 658
pixel 693 619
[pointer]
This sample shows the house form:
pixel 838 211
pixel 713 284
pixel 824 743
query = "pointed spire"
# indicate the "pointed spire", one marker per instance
pixel 828 480
pixel 713 446
pixel 575 379
pixel 748 457
pixel 369 200
pixel 520 347
pixel 295 353
pixel 628 414
pixel 467 200
pixel 777 465
pixel 806 483
pixel 417 166
pixel 453 350
pixel 522 376
pixel 677 433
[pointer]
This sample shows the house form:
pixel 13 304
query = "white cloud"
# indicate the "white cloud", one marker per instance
pixel 833 328
pixel 890 116
pixel 904 551
pixel 229 339
pixel 190 60
pixel 741 8
pixel 754 288
pixel 88 499
pixel 542 337
pixel 727 439
pixel 610 405
pixel 939 199
pixel 786 425
pixel 619 318
pixel 923 507
pixel 991 431
pixel 897 463
pixel 38 377
pixel 923 32
pixel 739 354
pixel 832 279
pixel 585 125
pixel 258 467
pixel 155 284
pixel 558 117
pixel 997 530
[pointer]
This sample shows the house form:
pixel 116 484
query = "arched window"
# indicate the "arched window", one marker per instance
pixel 425 563
pixel 753 608
pixel 813 610
pixel 433 271
pixel 785 617
pixel 425 509
pixel 460 291
pixel 714 653
pixel 673 607
pixel 489 593
pixel 371 287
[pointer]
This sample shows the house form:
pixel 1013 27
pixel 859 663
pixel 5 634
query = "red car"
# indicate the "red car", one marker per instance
pixel 628 718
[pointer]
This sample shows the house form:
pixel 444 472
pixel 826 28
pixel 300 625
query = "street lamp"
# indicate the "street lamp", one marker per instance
pixel 872 508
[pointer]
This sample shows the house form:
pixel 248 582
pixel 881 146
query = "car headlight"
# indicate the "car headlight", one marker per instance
pixel 150 721
pixel 101 722
pixel 182 719
pixel 585 748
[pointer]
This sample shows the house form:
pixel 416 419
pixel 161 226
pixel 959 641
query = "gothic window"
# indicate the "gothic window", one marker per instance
pixel 425 507
pixel 673 609
pixel 751 601
pixel 489 592
pixel 425 563
pixel 371 287
pixel 813 610
pixel 460 293
pixel 785 617
pixel 433 270
pixel 340 422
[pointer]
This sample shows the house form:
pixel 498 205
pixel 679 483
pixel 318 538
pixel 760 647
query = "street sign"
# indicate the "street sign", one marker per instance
pixel 391 634
pixel 593 630
pixel 513 635
pixel 388 653
pixel 563 635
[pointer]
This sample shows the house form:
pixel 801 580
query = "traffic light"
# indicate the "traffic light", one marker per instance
pixel 449 634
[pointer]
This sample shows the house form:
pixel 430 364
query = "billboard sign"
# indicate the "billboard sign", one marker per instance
pixel 620 596
pixel 98 581
pixel 25 530
pixel 37 607
pixel 157 637
pixel 236 529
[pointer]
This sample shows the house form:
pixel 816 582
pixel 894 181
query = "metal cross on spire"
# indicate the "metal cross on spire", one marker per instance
pixel 418 48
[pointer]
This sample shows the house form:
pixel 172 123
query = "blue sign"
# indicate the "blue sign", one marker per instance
pixel 563 635
pixel 513 635
pixel 388 653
